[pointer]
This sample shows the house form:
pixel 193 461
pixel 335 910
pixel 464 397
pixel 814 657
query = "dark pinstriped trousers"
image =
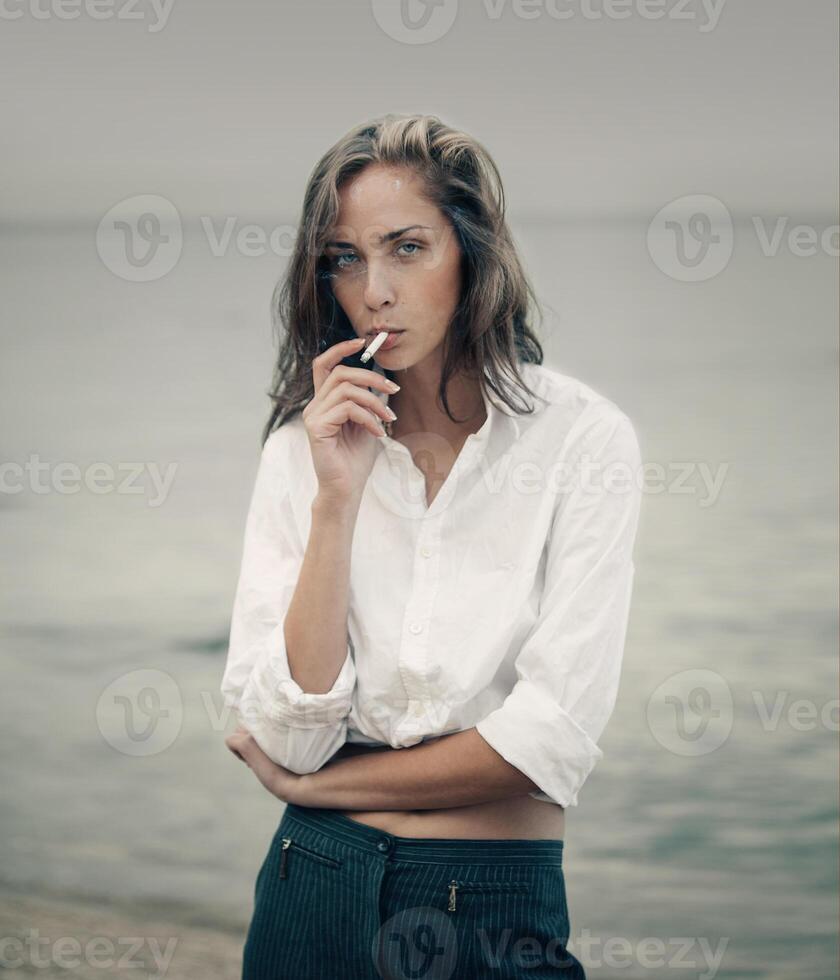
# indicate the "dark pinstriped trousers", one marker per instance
pixel 338 900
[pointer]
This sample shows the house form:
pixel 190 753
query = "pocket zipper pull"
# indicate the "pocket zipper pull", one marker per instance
pixel 452 887
pixel 287 843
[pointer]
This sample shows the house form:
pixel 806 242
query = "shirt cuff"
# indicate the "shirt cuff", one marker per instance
pixel 534 734
pixel 296 729
pixel 274 692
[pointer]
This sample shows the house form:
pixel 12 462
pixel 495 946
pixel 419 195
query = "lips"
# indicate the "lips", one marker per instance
pixel 378 330
pixel 391 340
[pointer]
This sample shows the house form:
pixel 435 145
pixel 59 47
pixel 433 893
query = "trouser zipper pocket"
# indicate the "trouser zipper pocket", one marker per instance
pixel 455 887
pixel 287 845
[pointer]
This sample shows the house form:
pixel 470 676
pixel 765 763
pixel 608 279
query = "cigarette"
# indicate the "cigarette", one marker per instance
pixel 374 345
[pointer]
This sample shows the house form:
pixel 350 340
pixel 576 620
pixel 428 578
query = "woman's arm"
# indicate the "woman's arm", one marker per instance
pixel 316 622
pixel 454 770
pixel 542 740
pixel 290 672
pixel 298 725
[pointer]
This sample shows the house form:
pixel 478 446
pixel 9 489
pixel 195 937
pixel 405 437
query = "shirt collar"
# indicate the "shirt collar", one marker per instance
pixel 476 442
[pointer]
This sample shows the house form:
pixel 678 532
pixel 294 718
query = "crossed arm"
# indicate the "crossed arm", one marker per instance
pixel 455 770
pixel 567 667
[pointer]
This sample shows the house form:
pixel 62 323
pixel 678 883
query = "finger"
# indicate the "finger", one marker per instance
pixel 347 391
pixel 348 411
pixel 363 377
pixel 332 357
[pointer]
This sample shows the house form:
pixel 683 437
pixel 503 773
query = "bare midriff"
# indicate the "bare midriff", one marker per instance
pixel 517 817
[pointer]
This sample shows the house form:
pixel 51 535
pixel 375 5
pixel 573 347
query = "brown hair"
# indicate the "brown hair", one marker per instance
pixel 489 329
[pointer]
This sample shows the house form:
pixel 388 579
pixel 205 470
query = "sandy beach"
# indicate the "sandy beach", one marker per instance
pixel 55 936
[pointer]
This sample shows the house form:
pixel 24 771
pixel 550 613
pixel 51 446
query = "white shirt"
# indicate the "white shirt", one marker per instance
pixel 504 605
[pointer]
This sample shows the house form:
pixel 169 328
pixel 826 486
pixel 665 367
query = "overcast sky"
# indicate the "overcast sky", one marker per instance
pixel 223 108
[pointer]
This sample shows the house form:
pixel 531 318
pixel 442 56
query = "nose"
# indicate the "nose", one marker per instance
pixel 379 290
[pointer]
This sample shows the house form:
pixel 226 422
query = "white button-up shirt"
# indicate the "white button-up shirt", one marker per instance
pixel 501 606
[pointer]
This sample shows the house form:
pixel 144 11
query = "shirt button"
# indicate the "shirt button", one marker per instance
pixel 383 845
pixel 416 628
pixel 426 552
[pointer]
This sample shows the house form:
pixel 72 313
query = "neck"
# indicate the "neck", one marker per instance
pixel 418 410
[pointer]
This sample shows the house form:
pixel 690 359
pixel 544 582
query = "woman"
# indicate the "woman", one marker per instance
pixel 430 616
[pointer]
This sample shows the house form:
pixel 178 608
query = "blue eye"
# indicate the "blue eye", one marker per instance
pixel 346 259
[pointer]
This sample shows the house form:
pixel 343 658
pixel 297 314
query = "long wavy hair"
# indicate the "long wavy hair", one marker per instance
pixel 489 334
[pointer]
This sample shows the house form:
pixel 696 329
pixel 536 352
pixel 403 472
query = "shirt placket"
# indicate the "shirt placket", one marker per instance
pixel 415 654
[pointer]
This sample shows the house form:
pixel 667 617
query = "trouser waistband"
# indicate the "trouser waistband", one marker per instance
pixel 451 850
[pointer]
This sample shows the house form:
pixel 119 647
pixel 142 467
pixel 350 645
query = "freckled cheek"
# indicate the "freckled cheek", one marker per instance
pixel 441 269
pixel 443 284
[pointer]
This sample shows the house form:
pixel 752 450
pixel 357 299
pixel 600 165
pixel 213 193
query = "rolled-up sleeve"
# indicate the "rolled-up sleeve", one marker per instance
pixel 569 665
pixel 296 729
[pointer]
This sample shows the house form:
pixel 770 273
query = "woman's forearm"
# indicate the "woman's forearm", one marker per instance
pixel 315 628
pixel 456 770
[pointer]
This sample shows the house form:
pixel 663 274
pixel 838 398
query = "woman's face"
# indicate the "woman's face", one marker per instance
pixel 396 263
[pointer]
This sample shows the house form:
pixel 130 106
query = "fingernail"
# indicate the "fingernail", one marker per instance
pixel 390 411
pixel 393 387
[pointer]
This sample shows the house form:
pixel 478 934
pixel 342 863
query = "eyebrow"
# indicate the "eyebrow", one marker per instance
pixel 389 237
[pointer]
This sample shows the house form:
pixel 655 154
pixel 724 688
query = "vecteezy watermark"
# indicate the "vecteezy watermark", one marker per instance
pixel 140 238
pixel 416 943
pixel 506 478
pixel 706 13
pixel 691 713
pixel 802 241
pixel 801 714
pixel 422 942
pixel 251 240
pixel 156 12
pixel 140 713
pixel 692 238
pixel 652 952
pixel 250 709
pixel 415 21
pixel 66 477
pixel 590 475
pixel 99 952
pixel 425 21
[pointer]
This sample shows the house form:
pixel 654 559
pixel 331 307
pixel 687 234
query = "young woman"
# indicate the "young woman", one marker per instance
pixel 430 616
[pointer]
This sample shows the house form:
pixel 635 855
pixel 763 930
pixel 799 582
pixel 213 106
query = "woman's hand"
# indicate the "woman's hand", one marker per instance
pixel 342 421
pixel 280 782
